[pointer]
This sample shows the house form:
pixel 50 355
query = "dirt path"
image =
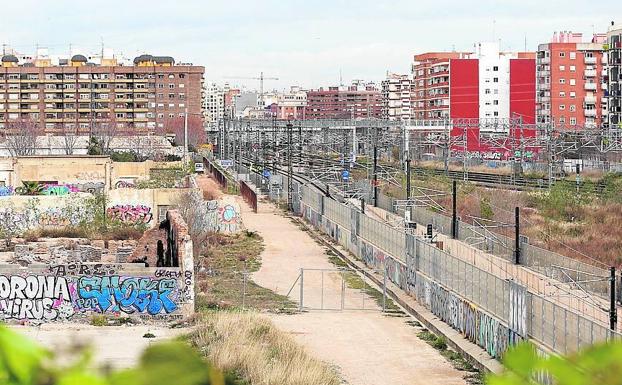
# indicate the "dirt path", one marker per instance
pixel 367 346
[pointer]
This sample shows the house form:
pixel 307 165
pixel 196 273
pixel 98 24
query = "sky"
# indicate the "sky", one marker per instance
pixel 306 43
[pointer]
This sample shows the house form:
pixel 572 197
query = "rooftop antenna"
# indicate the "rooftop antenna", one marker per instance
pixel 3 49
pixel 340 78
pixel 102 43
pixel 525 43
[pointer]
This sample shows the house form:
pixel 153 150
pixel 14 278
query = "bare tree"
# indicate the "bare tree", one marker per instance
pixel 196 131
pixel 21 136
pixel 70 137
pixel 104 131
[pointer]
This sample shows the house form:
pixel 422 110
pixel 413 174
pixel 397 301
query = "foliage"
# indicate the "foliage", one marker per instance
pixel 32 188
pixel 23 362
pixel 94 147
pixel 125 156
pixel 597 365
pixel 562 202
pixel 485 208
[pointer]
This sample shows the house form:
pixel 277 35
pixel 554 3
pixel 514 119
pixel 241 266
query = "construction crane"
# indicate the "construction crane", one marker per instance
pixel 261 78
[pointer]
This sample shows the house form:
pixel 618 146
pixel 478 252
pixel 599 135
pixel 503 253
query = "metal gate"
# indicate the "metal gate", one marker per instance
pixel 335 289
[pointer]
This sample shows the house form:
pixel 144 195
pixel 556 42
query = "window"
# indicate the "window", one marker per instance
pixel 562 107
pixel 182 96
pixel 573 68
pixel 495 68
pixel 496 113
pixel 562 68
pixel 171 105
pixel 573 94
pixel 573 108
pixel 562 94
pixel 562 54
pixel 171 96
pixel 573 121
pixel 160 116
pixel 573 82
pixel 487 91
pixel 160 76
pixel 562 81
pixel 171 86
pixel 182 105
pixel 573 55
pixel 495 80
pixel 181 76
pixel 181 114
pixel 562 119
pixel 182 85
pixel 160 85
pixel 171 76
pixel 495 102
pixel 171 115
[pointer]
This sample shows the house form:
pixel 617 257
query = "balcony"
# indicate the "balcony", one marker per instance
pixel 590 73
pixel 591 112
pixel 590 86
pixel 545 86
pixel 544 60
pixel 590 60
pixel 590 99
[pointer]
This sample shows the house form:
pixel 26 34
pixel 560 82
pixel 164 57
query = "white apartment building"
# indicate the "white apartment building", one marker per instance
pixel 396 97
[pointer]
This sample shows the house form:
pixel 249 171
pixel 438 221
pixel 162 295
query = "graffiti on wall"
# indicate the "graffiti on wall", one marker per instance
pixel 6 191
pixel 51 297
pixel 221 217
pixel 15 221
pixel 59 189
pixel 124 184
pixel 134 214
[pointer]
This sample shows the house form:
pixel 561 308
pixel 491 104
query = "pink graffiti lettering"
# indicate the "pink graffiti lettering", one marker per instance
pixel 130 213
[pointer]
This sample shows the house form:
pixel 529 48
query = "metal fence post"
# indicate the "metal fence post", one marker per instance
pixel 302 275
pixel 384 288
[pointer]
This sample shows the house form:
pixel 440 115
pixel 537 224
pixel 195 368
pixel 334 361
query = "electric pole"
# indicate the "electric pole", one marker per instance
pixel 290 173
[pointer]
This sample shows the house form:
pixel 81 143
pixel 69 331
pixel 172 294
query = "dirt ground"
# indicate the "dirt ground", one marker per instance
pixel 366 346
pixel 112 346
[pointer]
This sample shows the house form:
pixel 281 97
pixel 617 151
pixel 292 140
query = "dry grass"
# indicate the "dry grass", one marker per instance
pixel 252 347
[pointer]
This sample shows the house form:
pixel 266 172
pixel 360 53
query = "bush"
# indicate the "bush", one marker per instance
pixel 128 156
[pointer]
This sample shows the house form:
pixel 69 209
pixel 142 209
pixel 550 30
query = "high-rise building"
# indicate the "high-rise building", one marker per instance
pixel 614 95
pixel 396 97
pixel 75 93
pixel 214 105
pixel 488 85
pixel 571 81
pixel 358 101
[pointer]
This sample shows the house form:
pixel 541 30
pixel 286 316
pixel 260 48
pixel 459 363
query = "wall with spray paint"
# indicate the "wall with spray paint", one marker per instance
pixel 76 291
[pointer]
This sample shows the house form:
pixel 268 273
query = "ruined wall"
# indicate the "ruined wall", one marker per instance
pixel 62 169
pixel 133 205
pixel 74 292
pixel 20 213
pixel 179 253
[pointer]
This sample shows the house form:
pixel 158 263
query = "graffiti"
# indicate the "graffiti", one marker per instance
pixel 6 191
pixel 135 214
pixel 90 187
pixel 83 269
pixel 89 175
pixel 128 295
pixel 34 297
pixel 59 189
pixel 225 219
pixel 124 184
pixel 167 274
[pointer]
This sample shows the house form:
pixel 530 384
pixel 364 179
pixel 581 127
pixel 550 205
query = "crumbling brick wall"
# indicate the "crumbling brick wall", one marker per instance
pixel 179 253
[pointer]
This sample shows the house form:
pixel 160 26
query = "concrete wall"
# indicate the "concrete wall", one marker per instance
pixel 144 205
pixel 76 170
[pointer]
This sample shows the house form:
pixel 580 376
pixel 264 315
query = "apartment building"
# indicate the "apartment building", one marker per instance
pixel 214 105
pixel 571 77
pixel 75 94
pixel 357 101
pixel 396 97
pixel 487 84
pixel 614 91
pixel 288 105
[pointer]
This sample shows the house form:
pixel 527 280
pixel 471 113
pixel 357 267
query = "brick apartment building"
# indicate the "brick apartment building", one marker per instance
pixel 571 76
pixel 396 97
pixel 358 101
pixel 614 91
pixel 75 94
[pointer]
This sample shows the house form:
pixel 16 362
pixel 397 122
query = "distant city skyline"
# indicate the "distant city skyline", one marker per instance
pixel 302 43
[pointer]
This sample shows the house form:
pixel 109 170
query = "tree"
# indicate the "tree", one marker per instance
pixel 196 131
pixel 21 136
pixel 103 132
pixel 70 137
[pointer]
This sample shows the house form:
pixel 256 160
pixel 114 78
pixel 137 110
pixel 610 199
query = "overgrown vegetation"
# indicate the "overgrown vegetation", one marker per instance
pixel 252 347
pixel 220 282
pixel 24 362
